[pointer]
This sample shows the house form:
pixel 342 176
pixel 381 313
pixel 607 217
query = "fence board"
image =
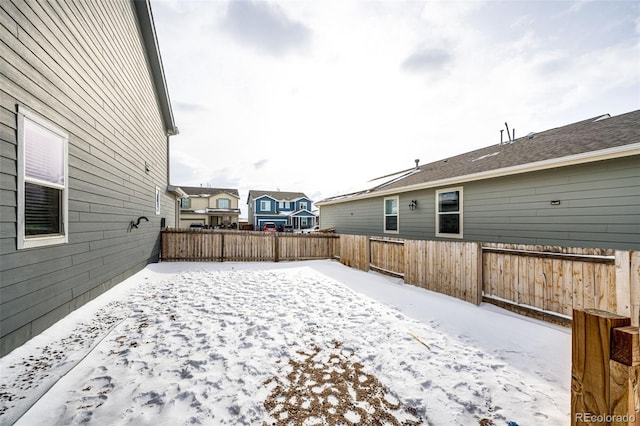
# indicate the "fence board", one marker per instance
pixel 388 255
pixel 450 268
pixel 634 288
pixel 589 288
pixel 354 251
pixel 621 282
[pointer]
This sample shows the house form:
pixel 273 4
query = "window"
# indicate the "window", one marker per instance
pixel 185 203
pixel 265 205
pixel 391 215
pixel 449 213
pixel 42 182
pixel 303 205
pixel 157 200
pixel 224 203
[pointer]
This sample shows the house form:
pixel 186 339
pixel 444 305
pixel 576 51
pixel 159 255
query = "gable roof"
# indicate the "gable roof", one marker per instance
pixel 589 140
pixel 150 41
pixel 198 190
pixel 276 195
pixel 301 213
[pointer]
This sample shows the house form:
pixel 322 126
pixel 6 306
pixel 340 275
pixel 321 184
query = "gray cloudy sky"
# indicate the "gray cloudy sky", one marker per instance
pixel 319 96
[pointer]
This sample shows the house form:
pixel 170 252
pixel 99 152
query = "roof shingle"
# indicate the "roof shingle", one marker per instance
pixel 595 134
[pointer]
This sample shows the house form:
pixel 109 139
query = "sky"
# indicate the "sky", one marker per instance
pixel 320 97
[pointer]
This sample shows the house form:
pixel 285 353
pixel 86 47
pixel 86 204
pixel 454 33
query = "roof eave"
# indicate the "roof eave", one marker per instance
pixel 587 157
pixel 150 40
pixel 176 190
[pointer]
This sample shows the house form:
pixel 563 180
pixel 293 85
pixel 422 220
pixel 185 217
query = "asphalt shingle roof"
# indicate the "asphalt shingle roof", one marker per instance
pixel 198 190
pixel 278 195
pixel 594 134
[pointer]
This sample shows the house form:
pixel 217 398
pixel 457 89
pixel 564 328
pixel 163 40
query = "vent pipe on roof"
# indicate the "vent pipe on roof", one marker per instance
pixel 508 132
pixel 501 132
pixel 417 160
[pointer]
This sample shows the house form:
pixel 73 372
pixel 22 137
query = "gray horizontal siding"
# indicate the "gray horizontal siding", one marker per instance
pixel 80 65
pixel 599 207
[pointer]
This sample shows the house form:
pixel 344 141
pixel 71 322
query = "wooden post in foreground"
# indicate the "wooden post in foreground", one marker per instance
pixel 625 376
pixel 605 370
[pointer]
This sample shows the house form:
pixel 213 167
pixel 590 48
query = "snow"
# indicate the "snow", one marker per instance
pixel 269 343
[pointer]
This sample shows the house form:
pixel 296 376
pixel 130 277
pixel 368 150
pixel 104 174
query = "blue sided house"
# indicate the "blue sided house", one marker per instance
pixel 281 208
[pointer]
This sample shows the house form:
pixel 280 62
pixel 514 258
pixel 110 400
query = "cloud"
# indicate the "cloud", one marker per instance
pixel 265 27
pixel 427 60
pixel 259 164
pixel 189 107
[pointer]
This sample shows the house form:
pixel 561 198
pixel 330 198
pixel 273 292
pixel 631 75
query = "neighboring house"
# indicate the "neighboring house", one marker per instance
pixel 209 207
pixel 85 121
pixel 282 208
pixel 576 185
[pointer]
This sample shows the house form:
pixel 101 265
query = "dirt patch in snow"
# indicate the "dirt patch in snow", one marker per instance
pixel 328 386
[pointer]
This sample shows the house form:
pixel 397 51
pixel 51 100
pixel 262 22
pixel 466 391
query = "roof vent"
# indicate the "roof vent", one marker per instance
pixel 531 135
pixel 417 160
pixel 604 117
pixel 512 139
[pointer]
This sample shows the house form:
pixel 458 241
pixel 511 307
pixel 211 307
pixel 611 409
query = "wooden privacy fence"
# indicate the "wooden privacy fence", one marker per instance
pixel 560 279
pixel 192 245
pixel 451 268
pixel 548 282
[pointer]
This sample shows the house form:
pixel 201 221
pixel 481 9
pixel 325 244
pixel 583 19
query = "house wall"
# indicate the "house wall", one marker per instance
pixel 599 208
pixel 82 66
pixel 198 203
pixel 273 205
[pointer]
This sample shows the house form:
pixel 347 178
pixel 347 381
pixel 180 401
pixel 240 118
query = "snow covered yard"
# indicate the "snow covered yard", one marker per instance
pixel 286 343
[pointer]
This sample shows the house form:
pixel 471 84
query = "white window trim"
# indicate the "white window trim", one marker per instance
pixel 261 204
pixel 384 215
pixel 223 199
pixel 157 200
pixel 460 212
pixel 30 242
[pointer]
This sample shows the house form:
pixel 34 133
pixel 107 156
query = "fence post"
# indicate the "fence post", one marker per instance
pixel 477 257
pixel 222 247
pixel 625 376
pixel 276 248
pixel 634 287
pixel 367 253
pixel 597 384
pixel 623 278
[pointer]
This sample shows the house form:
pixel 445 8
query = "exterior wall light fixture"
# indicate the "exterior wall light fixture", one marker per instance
pixel 413 204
